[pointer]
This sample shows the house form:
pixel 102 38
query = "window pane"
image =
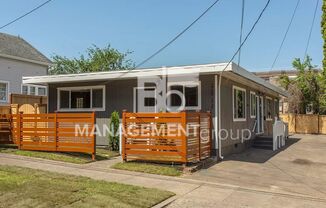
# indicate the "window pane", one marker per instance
pixel 269 108
pixel 3 92
pixel 191 95
pixel 253 104
pixel 81 99
pixel 175 98
pixel 97 98
pixel 240 99
pixel 149 102
pixel 32 90
pixel 64 99
pixel 25 90
pixel 239 104
pixel 41 91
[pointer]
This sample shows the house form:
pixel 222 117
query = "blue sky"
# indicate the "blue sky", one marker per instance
pixel 69 27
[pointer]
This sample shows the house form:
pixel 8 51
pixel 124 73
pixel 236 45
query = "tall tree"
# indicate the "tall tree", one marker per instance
pixel 305 88
pixel 97 59
pixel 322 98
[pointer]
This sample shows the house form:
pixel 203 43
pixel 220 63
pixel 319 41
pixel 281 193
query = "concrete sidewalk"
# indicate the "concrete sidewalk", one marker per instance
pixel 190 192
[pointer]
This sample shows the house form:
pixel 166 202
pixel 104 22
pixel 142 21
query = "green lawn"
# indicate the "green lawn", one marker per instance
pixel 149 168
pixel 23 187
pixel 79 158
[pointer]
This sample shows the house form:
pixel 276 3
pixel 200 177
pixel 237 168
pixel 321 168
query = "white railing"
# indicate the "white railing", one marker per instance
pixel 280 133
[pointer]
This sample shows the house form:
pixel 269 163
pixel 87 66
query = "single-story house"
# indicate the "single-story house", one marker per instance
pixel 244 100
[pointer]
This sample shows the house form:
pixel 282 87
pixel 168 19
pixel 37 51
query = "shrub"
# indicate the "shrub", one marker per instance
pixel 114 135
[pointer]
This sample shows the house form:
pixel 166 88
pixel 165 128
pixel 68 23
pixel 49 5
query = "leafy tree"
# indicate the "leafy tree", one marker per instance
pixel 97 59
pixel 114 134
pixel 305 89
pixel 322 98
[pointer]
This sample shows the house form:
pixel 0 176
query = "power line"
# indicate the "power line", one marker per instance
pixel 24 15
pixel 311 27
pixel 241 27
pixel 286 33
pixel 249 33
pixel 177 36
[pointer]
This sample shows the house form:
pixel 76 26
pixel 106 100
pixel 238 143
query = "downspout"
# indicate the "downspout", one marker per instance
pixel 219 117
pixel 218 120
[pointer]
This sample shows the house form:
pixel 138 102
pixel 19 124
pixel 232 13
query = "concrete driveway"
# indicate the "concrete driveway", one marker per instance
pixel 298 169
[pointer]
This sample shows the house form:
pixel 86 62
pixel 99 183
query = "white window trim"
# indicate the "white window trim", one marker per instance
pixel 8 89
pixel 36 89
pixel 245 91
pixel 269 98
pixel 188 83
pixel 80 88
pixel 253 93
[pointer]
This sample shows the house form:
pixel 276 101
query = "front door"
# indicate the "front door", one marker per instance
pixel 260 114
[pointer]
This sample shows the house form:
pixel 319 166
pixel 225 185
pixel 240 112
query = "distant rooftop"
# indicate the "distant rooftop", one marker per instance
pixel 274 73
pixel 16 47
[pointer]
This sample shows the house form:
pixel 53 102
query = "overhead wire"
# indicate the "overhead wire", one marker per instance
pixel 25 14
pixel 241 27
pixel 286 33
pixel 311 27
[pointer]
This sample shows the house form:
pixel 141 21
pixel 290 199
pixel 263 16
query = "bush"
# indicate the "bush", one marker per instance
pixel 114 134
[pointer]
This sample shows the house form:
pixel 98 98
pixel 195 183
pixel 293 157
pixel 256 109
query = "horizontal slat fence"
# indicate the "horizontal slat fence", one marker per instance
pixel 55 132
pixel 305 123
pixel 168 137
pixel 5 129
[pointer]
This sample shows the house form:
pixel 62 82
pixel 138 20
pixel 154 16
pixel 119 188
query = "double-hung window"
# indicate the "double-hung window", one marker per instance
pixel 239 104
pixel 4 91
pixel 253 105
pixel 185 95
pixel 88 98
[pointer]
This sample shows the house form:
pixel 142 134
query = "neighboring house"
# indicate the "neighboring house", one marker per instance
pixel 17 59
pixel 247 101
pixel 273 78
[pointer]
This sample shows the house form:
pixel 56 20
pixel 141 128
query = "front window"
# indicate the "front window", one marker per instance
pixel 239 104
pixel 4 91
pixel 185 94
pixel 269 108
pixel 81 98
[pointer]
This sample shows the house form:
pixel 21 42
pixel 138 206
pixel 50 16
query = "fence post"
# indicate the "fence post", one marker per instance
pixel 19 131
pixel 123 136
pixel 199 138
pixel 56 130
pixel 184 136
pixel 94 135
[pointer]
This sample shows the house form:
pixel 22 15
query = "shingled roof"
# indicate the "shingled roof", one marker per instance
pixel 16 47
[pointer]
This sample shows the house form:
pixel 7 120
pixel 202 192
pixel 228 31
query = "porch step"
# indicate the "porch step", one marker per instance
pixel 263 142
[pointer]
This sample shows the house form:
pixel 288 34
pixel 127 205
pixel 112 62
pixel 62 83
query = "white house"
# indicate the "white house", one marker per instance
pixel 17 59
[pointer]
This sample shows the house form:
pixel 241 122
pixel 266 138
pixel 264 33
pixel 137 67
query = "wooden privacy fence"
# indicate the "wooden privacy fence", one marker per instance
pixel 5 129
pixel 170 137
pixel 54 132
pixel 305 123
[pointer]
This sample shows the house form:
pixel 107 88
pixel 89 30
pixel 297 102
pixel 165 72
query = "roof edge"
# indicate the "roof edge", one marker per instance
pixel 26 60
